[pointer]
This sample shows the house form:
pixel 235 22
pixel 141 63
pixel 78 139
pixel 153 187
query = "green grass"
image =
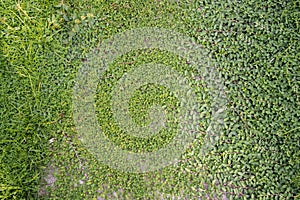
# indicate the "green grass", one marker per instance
pixel 256 47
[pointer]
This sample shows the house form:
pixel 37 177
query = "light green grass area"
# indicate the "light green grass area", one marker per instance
pixel 256 46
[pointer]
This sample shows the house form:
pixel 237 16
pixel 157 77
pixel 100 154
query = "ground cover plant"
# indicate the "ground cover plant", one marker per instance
pixel 255 45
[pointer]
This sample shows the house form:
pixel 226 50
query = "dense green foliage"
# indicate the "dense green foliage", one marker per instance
pixel 255 45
